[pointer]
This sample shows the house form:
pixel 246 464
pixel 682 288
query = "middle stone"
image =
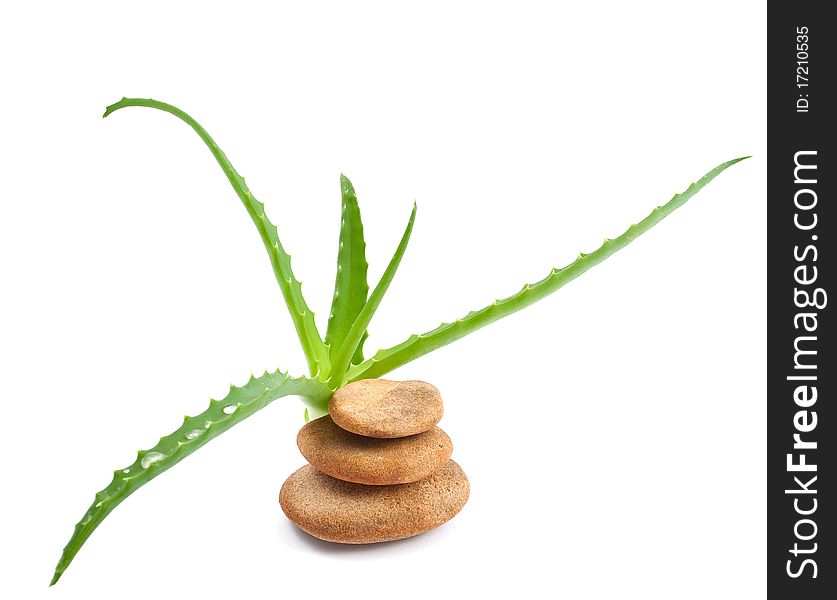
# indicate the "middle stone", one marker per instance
pixel 372 461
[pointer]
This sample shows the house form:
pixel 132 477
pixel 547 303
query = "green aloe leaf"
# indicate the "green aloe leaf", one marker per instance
pixel 415 346
pixel 341 362
pixel 195 432
pixel 350 286
pixel 303 318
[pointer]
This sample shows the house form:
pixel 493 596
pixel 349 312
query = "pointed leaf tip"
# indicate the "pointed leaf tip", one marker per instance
pixel 346 186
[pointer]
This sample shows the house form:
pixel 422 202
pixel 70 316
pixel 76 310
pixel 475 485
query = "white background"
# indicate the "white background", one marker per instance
pixel 613 433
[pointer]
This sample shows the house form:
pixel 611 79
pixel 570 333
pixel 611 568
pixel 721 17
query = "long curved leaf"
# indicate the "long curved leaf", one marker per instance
pixel 196 431
pixel 303 317
pixel 350 286
pixel 415 346
pixel 341 362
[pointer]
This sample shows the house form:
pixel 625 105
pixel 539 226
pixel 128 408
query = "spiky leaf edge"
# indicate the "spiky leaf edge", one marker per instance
pixel 416 346
pixel 240 403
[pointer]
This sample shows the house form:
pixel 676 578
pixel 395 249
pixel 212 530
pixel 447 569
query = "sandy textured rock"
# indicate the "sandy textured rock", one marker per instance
pixel 350 513
pixel 372 461
pixel 386 409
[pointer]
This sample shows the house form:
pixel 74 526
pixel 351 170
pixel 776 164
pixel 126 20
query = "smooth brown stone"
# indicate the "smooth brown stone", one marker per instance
pixel 386 409
pixel 350 513
pixel 372 461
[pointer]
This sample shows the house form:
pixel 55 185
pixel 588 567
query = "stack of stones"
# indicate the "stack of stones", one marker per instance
pixel 380 469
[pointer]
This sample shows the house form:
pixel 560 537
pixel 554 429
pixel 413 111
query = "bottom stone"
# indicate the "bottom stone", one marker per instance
pixel 351 513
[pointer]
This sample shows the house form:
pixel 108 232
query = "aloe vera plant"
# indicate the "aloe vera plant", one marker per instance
pixel 336 358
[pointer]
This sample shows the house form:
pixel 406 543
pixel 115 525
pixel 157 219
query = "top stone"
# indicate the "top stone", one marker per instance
pixel 386 409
